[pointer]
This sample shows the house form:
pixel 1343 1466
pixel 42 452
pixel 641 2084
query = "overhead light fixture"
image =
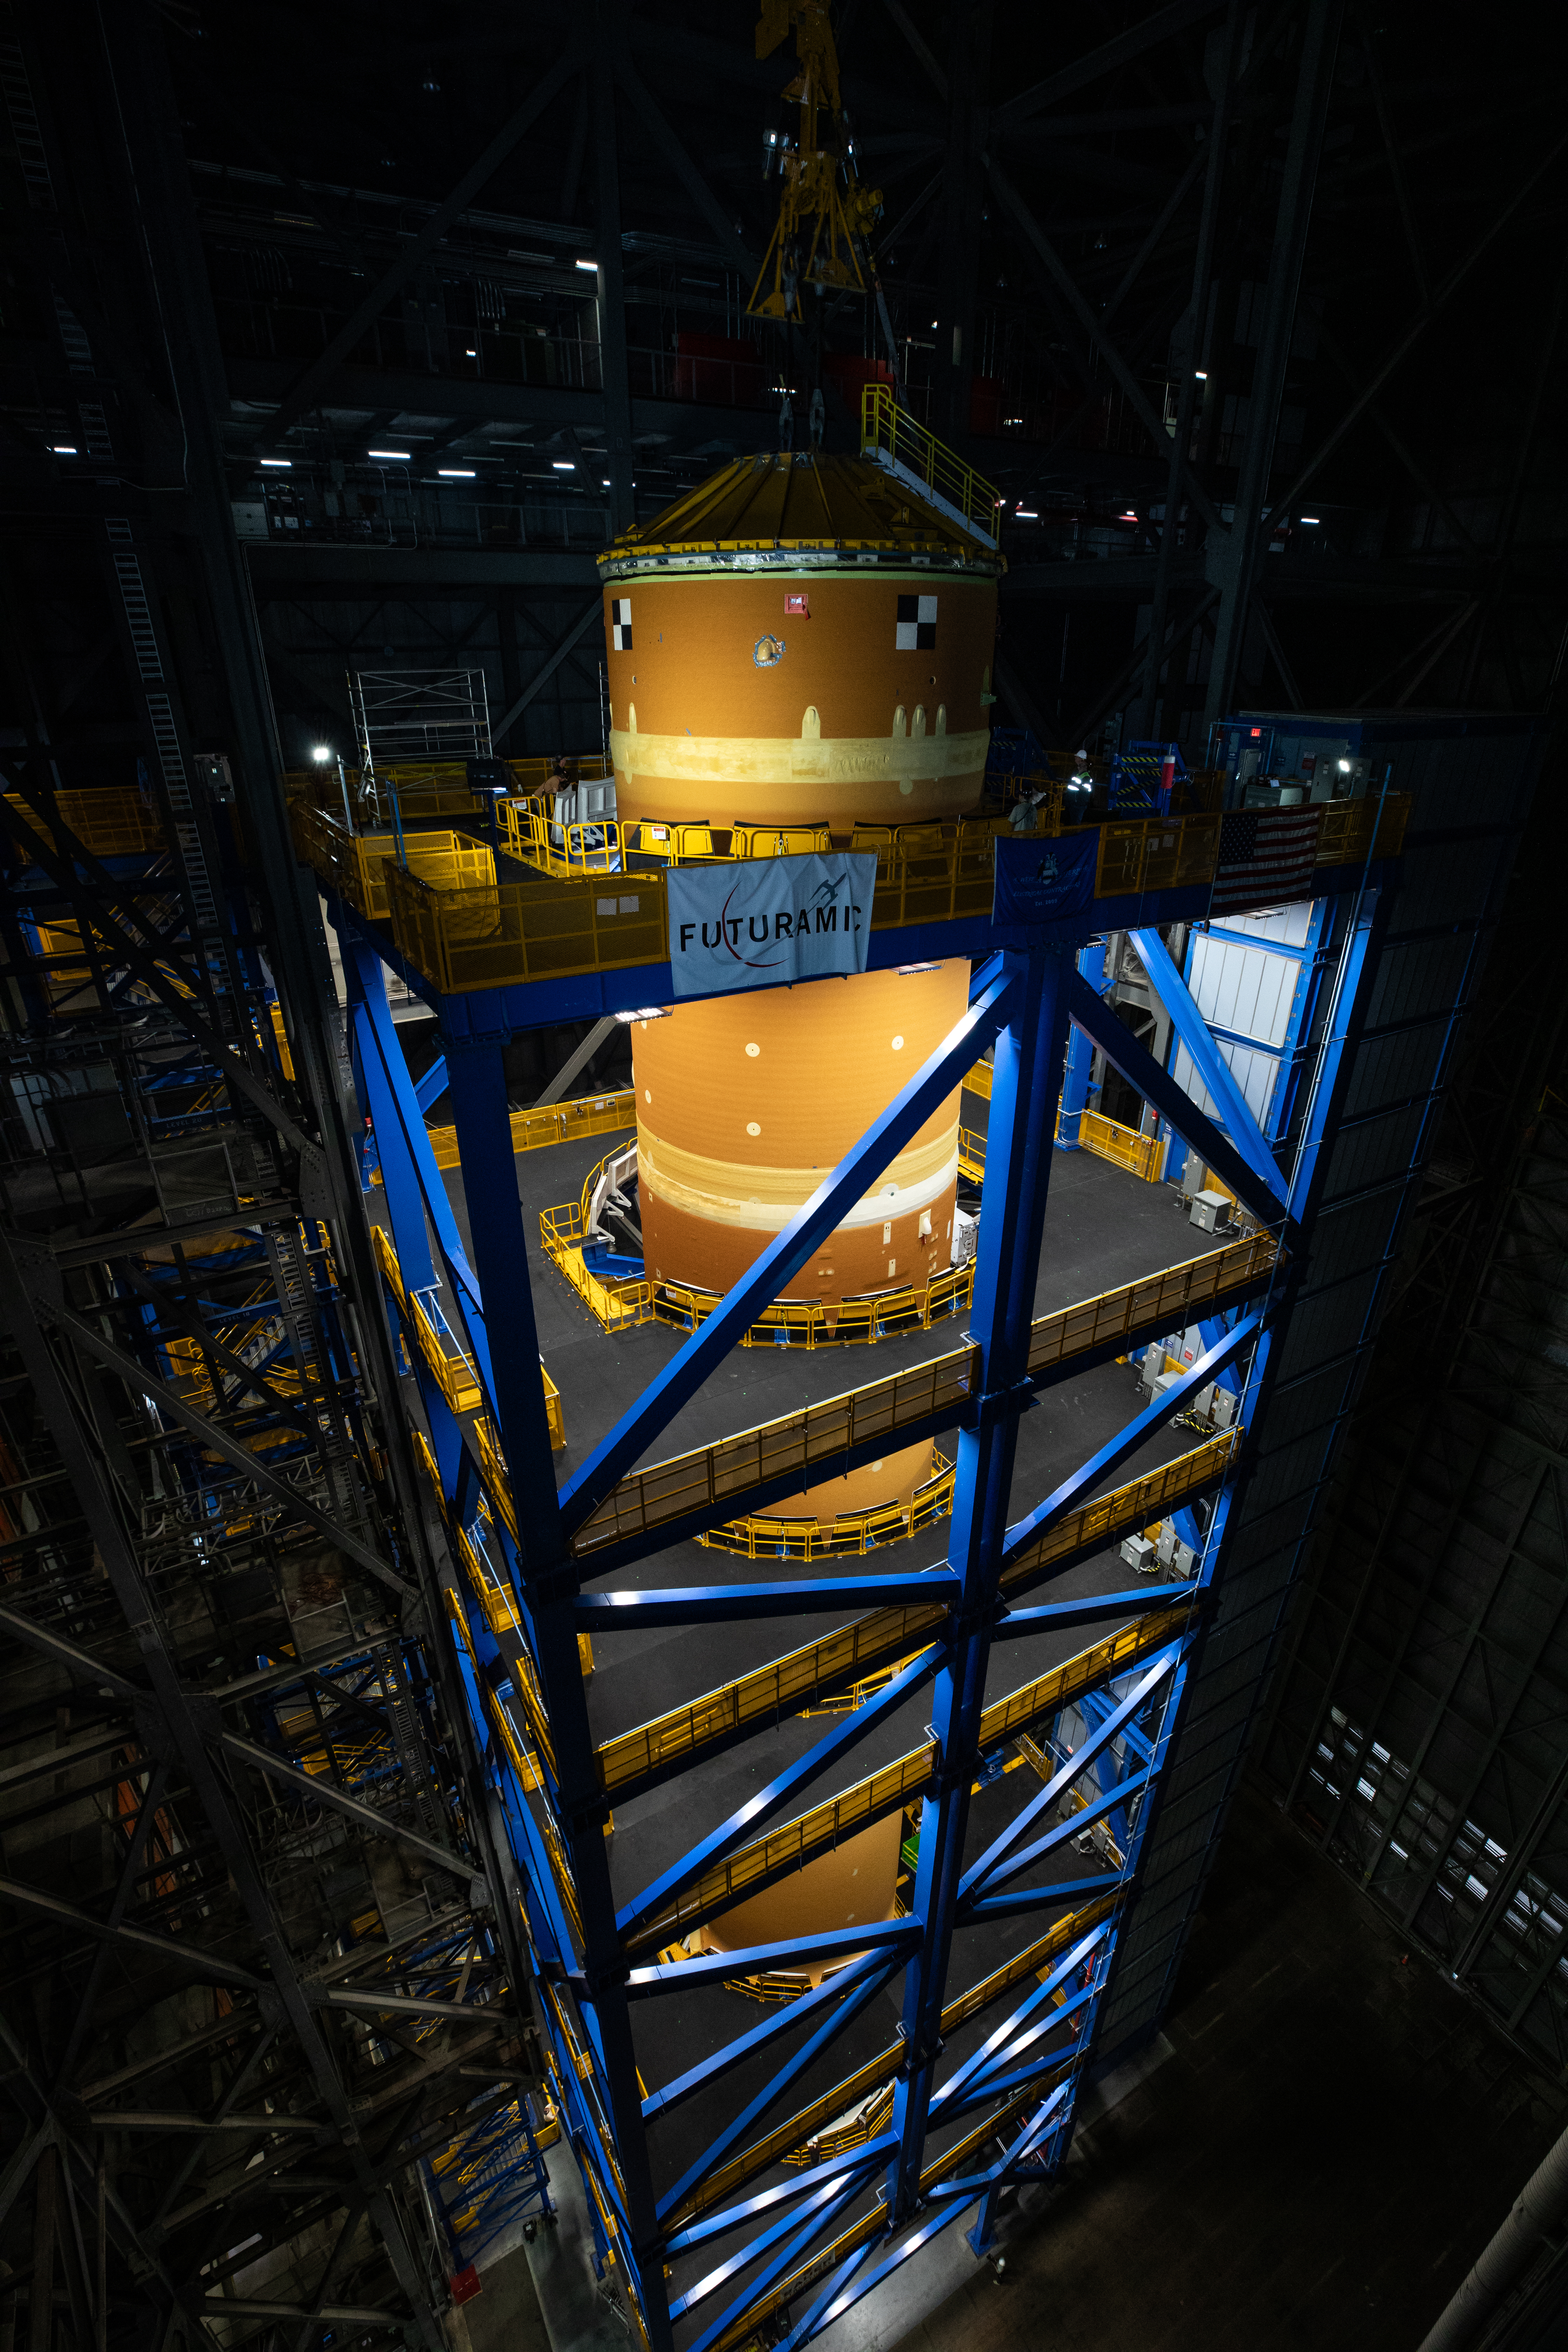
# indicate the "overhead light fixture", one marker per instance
pixel 606 481
pixel 1027 514
pixel 278 461
pixel 401 454
pixel 589 265
pixel 1200 375
pixel 563 465
pixel 320 753
pixel 63 448
pixel 456 473
pixel 1128 515
pixel 471 353
pixel 646 1013
pixel 1312 519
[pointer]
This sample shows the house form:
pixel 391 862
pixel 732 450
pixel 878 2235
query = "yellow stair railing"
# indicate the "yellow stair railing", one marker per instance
pixel 892 436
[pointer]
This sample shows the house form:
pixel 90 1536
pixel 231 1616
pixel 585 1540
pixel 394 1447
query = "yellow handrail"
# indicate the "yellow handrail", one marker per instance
pixel 537 1129
pixel 799 2129
pixel 850 1534
pixel 444 1352
pixel 790 1685
pixel 726 1472
pixel 892 435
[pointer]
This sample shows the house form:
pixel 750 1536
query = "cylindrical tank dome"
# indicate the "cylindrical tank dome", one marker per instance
pixel 803 640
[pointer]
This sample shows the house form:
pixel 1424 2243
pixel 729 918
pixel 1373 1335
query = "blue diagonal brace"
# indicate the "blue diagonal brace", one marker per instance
pixel 738 2129
pixel 1109 1800
pixel 976 1876
pixel 829 2208
pixel 1084 1480
pixel 1142 1071
pixel 997 2044
pixel 731 2216
pixel 782 2021
pixel 782 1259
pixel 1041 1898
pixel 887 1935
pixel 1208 1060
pixel 433 1084
pixel 742 1825
pixel 1061 1616
pixel 700 1605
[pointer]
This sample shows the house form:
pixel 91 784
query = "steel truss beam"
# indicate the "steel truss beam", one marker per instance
pixel 596 1958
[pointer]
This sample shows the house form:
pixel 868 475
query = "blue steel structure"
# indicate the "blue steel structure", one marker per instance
pixel 796 2251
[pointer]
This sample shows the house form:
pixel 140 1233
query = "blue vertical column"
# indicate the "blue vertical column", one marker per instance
pixel 1024 1088
pixel 483 1118
pixel 1079 1056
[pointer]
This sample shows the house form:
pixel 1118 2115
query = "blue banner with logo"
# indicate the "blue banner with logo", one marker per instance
pixel 1040 880
pixel 764 922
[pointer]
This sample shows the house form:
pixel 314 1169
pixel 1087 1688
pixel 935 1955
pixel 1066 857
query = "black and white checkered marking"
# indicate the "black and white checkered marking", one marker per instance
pixel 916 630
pixel 621 624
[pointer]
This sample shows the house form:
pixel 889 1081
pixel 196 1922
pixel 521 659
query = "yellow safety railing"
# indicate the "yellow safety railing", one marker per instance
pixel 971 1155
pixel 355 865
pixel 541 929
pixel 850 1534
pixel 1140 1155
pixel 891 434
pixel 109 821
pixel 614 1302
pixel 592 846
pixel 463 930
pixel 952 2159
pixel 1346 831
pixel 823 2112
pixel 1034 1960
pixel 1126 1507
pixel 534 1130
pixel 795 1681
pixel 810 1323
pixel 448 1360
pixel 617 1301
pixel 818 1435
pixel 1138 854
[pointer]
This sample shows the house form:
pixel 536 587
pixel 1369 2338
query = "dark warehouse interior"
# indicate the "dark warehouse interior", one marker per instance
pixel 690 1661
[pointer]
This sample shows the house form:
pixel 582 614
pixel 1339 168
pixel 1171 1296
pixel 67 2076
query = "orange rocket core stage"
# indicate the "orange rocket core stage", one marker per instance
pixel 802 640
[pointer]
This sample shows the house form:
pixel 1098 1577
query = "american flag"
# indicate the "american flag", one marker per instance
pixel 1265 856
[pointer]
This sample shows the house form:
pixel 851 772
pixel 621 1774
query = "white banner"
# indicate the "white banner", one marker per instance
pixel 762 922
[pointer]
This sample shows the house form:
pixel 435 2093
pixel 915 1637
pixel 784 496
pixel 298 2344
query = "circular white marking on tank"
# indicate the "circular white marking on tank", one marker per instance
pixel 753 1051
pixel 751 1128
pixel 875 1466
pixel 898 1044
pixel 645 1095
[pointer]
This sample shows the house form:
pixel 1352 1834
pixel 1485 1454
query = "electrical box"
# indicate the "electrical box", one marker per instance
pixel 1203 1403
pixel 1139 1553
pixel 1164 1385
pixel 1174 1554
pixel 965 1236
pixel 1210 1211
pixel 1224 1407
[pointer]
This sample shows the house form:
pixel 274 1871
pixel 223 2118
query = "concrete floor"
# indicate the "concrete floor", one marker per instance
pixel 1335 2136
